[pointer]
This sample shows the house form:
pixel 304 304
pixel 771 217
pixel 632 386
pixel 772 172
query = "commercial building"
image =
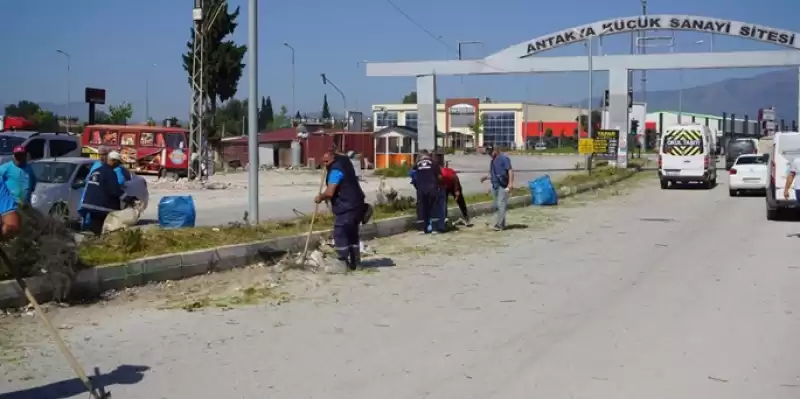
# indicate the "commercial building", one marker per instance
pixel 505 125
pixel 660 120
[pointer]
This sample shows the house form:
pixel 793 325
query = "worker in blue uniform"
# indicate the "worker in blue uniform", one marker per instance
pixel 349 209
pixel 18 176
pixel 427 177
pixel 114 160
pixel 102 195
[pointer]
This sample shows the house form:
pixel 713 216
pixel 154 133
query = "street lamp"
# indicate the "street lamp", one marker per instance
pixel 672 44
pixel 69 99
pixel 589 119
pixel 327 81
pixel 147 94
pixel 294 108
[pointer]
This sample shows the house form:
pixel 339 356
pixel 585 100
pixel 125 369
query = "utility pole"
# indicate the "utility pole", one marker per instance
pixel 197 114
pixel 147 94
pixel 294 107
pixel 327 81
pixel 198 147
pixel 252 109
pixel 69 95
pixel 643 50
pixel 458 45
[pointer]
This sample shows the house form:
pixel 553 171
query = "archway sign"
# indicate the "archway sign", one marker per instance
pixel 520 58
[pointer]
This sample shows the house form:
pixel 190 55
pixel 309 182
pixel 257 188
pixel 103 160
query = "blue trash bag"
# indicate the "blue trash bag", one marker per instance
pixel 175 212
pixel 543 192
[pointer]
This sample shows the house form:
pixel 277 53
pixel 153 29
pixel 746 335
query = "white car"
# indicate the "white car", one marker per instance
pixel 540 146
pixel 748 173
pixel 61 182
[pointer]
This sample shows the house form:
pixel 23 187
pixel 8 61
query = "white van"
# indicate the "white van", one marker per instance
pixel 686 154
pixel 785 148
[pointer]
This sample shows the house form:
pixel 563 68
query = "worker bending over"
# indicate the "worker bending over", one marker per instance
pixel 348 207
pixel 452 186
pixel 427 177
pixel 102 195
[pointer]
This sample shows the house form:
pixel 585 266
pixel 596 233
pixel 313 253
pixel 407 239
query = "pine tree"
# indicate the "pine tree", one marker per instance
pixel 297 115
pixel 326 112
pixel 269 115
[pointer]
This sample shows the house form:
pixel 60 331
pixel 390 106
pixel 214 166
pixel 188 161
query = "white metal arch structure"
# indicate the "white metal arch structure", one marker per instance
pixel 617 26
pixel 518 59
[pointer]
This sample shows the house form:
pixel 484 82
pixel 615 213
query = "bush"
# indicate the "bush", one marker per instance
pixel 44 245
pixel 394 171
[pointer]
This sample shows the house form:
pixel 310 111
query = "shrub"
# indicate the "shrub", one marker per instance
pixel 394 171
pixel 44 245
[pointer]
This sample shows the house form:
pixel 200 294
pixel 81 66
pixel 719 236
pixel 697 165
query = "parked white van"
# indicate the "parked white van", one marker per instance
pixel 687 154
pixel 785 148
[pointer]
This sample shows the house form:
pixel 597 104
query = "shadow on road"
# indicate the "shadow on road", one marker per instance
pixel 122 375
pixel 376 263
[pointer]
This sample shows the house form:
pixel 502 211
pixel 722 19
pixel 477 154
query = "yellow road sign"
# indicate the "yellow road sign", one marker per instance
pixel 586 146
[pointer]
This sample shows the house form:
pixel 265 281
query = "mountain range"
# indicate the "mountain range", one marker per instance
pixel 739 96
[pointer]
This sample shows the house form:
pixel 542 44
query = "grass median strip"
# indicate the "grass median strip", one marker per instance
pixel 133 244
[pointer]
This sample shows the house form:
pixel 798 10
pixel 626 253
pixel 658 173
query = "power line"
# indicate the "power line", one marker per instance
pixel 438 38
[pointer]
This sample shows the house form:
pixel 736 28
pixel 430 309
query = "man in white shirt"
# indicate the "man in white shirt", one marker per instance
pixel 791 182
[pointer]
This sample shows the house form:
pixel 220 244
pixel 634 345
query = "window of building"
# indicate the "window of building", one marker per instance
pixel 411 119
pixel 462 115
pixel 499 129
pixel 385 119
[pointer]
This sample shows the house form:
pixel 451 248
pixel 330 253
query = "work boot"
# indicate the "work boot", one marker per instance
pixel 355 259
pixel 336 266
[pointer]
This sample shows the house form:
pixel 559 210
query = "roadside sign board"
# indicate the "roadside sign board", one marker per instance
pixel 586 146
pixel 606 144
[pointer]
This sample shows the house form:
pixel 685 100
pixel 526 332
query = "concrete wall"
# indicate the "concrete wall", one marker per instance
pixel 551 113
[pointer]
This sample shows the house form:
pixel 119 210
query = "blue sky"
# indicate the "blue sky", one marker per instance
pixel 113 44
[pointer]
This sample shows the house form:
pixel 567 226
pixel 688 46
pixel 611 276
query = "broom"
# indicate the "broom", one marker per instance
pixel 76 367
pixel 313 218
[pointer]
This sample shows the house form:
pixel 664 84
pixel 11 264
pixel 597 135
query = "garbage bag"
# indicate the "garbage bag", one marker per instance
pixel 176 212
pixel 543 192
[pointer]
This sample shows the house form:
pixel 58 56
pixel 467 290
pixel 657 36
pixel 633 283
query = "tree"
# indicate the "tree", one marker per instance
pixel 45 121
pixel 101 117
pixel 120 114
pixel 297 115
pixel 151 122
pixel 411 98
pixel 548 133
pixel 172 122
pixel 282 120
pixel 597 120
pixel 231 118
pixel 223 59
pixel 326 112
pixel 265 114
pixel 23 109
pixel 477 129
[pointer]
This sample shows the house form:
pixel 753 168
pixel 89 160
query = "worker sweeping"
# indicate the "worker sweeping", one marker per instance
pixel 102 195
pixel 123 176
pixel 427 178
pixel 348 207
pixel 452 186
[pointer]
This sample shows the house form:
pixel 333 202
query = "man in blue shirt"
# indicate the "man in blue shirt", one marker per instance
pixel 502 177
pixel 18 176
pixel 348 207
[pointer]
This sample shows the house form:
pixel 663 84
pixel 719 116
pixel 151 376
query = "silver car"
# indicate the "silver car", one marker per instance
pixel 61 182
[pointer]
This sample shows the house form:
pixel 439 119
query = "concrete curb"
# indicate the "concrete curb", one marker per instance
pixel 90 282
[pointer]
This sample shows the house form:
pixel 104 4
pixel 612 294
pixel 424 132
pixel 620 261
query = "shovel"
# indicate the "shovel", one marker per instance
pixel 76 367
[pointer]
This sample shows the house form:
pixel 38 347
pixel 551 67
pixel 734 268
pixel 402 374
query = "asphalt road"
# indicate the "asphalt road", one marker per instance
pixel 656 294
pixel 471 168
